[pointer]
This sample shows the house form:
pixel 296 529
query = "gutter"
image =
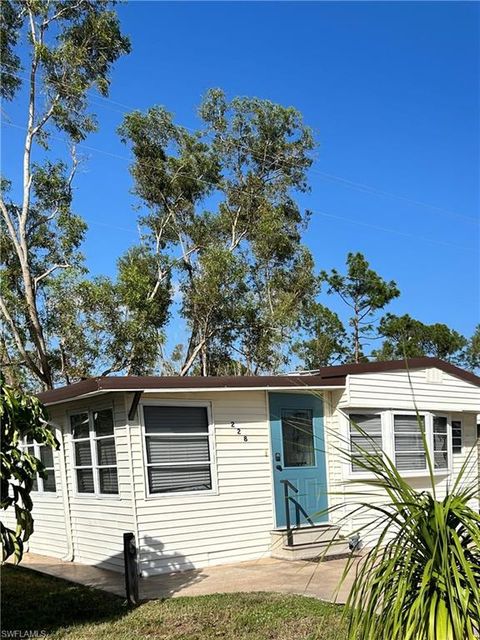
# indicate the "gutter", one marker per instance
pixel 290 388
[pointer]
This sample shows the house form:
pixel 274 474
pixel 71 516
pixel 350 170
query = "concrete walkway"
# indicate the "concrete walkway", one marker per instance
pixel 282 576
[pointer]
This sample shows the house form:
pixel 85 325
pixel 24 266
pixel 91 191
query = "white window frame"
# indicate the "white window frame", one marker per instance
pixel 387 418
pixel 92 438
pixel 37 447
pixel 211 446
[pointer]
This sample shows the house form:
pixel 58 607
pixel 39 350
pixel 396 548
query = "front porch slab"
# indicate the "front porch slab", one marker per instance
pixel 318 580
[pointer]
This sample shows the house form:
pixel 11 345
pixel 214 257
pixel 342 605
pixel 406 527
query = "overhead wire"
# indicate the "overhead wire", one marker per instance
pixel 319 212
pixel 213 184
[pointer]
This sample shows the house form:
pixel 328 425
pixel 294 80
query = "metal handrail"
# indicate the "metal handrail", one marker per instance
pixel 298 509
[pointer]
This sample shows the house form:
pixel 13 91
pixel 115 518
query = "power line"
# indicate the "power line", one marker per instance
pixel 364 188
pixel 323 213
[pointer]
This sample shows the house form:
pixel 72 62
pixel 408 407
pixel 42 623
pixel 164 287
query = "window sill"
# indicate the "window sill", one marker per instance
pixel 403 474
pixel 181 494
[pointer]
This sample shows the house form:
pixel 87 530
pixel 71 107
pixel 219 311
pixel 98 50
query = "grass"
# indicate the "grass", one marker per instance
pixel 33 601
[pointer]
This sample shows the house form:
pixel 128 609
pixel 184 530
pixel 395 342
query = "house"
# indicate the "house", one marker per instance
pixel 197 467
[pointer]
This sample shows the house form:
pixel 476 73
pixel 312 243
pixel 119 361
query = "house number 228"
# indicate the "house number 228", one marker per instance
pixel 239 431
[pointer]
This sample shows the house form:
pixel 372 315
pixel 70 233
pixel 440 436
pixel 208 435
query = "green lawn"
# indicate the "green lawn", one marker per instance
pixel 32 601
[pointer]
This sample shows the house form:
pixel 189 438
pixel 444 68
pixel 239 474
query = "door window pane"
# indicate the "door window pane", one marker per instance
pixel 297 435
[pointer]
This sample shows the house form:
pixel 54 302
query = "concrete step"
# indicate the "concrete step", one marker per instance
pixel 304 535
pixel 319 541
pixel 310 551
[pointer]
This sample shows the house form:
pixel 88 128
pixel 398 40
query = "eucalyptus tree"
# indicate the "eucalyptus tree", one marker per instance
pixel 67 49
pixel 219 212
pixel 365 293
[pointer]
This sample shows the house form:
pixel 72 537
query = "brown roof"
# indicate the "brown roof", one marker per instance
pixel 324 377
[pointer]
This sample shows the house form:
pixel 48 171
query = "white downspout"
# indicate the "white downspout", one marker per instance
pixel 68 557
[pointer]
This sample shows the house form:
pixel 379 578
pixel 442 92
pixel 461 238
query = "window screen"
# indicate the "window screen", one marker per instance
pixel 371 424
pixel 178 449
pixel 409 448
pixel 456 436
pixel 440 442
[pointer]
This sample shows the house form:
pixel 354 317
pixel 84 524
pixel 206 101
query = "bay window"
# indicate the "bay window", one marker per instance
pixel 399 434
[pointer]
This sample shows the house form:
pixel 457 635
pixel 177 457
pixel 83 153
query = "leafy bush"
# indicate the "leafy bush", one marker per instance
pixel 20 415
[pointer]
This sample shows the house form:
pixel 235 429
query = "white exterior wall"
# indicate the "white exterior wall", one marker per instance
pixel 431 389
pixel 49 537
pixel 233 523
pixel 98 523
pixel 434 391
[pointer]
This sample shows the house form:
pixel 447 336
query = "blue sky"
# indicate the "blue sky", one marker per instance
pixel 392 93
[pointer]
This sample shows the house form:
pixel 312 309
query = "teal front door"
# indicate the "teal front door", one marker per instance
pixel 298 450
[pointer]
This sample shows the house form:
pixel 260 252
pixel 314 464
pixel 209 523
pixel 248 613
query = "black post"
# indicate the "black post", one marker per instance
pixel 287 513
pixel 131 573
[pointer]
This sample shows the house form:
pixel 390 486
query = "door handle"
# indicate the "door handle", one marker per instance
pixel 279 467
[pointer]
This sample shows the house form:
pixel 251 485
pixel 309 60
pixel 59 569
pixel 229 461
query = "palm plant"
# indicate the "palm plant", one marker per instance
pixel 421 578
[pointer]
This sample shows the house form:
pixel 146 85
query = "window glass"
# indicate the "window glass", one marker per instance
pixel 297 436
pixel 370 440
pixel 456 437
pixel 440 442
pixel 103 423
pixel 45 454
pixel 80 426
pixel 94 452
pixel 178 448
pixel 408 442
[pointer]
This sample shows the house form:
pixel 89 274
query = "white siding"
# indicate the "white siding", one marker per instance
pixel 431 389
pixel 179 532
pixel 49 536
pixel 98 523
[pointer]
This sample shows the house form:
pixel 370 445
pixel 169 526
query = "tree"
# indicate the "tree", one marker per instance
pixel 326 341
pixel 364 292
pixel 472 354
pixel 72 47
pixel 407 337
pixel 22 416
pixel 220 211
